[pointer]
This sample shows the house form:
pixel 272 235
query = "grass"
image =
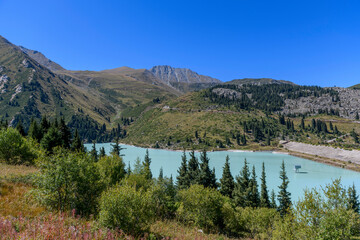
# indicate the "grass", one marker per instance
pixel 21 217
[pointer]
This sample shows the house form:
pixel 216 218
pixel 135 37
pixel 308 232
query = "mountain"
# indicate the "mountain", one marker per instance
pixel 41 59
pixel 258 81
pixel 183 79
pixel 30 90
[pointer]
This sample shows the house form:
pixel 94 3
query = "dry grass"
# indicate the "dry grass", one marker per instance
pixel 7 171
pixel 174 230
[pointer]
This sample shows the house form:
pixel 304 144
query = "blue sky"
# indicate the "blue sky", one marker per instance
pixel 307 42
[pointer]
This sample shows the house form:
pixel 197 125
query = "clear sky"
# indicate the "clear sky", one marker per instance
pixel 308 42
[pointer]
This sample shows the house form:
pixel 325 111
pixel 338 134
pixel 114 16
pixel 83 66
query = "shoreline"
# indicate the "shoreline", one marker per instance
pixel 336 162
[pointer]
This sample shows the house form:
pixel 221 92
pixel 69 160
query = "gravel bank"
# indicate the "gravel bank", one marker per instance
pixel 324 151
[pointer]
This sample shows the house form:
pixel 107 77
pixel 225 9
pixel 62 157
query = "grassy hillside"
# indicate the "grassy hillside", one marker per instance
pixel 30 90
pixel 193 120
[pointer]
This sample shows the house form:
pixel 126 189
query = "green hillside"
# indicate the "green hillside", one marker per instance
pixel 201 119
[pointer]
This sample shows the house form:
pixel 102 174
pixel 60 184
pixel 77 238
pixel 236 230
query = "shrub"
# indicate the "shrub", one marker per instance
pixel 15 149
pixel 69 181
pixel 111 169
pixel 126 208
pixel 202 207
pixel 163 198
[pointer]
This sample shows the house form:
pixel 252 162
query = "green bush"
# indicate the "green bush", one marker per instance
pixel 15 149
pixel 126 208
pixel 163 197
pixel 202 207
pixel 112 169
pixel 69 181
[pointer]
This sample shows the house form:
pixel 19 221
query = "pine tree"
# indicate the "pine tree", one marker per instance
pixel 242 189
pixel 20 128
pixel 161 174
pixel 182 180
pixel 284 195
pixel 353 199
pixel 264 196
pixel 102 152
pixel 94 153
pixel 65 134
pixel 205 174
pixel 77 143
pixel 128 170
pixel 51 140
pixel 254 192
pixel 273 201
pixel 227 180
pixel 146 166
pixel 193 169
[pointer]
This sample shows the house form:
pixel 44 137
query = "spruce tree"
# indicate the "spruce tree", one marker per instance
pixel 284 195
pixel 94 153
pixel 20 128
pixel 102 152
pixel 193 169
pixel 273 201
pixel 227 180
pixel 77 143
pixel 45 125
pixel 146 166
pixel 264 195
pixel 182 177
pixel 35 131
pixel 353 199
pixel 161 174
pixel 205 175
pixel 128 170
pixel 51 140
pixel 65 134
pixel 254 192
pixel 116 148
pixel 242 189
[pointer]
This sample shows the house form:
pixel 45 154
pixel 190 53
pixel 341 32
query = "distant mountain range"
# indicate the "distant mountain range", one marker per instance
pixel 31 86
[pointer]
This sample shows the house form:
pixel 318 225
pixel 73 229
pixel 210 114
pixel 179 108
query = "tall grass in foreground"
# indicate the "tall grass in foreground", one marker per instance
pixel 59 226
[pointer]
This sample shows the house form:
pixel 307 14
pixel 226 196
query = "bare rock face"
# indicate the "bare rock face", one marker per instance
pixel 41 59
pixel 348 104
pixel 170 75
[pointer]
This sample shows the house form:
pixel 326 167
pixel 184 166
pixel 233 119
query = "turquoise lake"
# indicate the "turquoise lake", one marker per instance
pixel 312 174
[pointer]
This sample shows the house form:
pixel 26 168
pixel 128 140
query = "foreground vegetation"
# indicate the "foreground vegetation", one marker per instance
pixel 68 193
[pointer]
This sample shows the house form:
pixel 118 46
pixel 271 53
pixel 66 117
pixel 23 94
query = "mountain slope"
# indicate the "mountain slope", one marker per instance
pixel 28 89
pixel 40 58
pixel 258 81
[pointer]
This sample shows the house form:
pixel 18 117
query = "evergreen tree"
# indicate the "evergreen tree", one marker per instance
pixel 77 144
pixel 273 201
pixel 35 131
pixel 205 174
pixel 45 125
pixel 146 166
pixel 353 199
pixel 20 128
pixel 254 192
pixel 161 174
pixel 193 169
pixel 242 189
pixel 94 153
pixel 65 134
pixel 51 140
pixel 227 180
pixel 182 177
pixel 302 125
pixel 128 170
pixel 102 152
pixel 116 148
pixel 264 196
pixel 284 195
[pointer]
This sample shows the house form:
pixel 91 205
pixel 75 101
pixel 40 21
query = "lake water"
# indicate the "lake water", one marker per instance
pixel 312 174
